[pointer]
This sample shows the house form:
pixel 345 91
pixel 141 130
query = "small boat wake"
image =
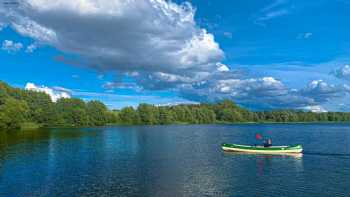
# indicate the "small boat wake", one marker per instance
pixel 343 155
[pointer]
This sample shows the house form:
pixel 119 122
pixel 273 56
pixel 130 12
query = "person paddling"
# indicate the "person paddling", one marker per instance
pixel 268 143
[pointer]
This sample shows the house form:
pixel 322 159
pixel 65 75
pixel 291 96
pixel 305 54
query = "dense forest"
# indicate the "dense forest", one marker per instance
pixel 20 108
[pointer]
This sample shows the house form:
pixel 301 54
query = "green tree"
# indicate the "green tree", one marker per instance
pixel 165 116
pixel 73 112
pixel 40 107
pixel 12 113
pixel 128 115
pixel 148 114
pixel 98 113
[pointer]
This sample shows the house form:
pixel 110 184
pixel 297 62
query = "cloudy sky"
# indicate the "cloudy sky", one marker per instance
pixel 262 54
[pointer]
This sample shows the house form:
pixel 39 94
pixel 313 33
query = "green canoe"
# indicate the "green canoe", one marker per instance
pixel 262 149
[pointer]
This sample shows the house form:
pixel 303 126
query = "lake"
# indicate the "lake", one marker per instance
pixel 179 160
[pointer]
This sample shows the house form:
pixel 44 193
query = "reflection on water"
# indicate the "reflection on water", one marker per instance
pixel 266 161
pixel 172 161
pixel 266 155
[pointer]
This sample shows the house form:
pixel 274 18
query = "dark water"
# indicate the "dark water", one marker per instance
pixel 173 161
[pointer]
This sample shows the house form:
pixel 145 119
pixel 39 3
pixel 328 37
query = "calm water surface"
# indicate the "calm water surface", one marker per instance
pixel 170 161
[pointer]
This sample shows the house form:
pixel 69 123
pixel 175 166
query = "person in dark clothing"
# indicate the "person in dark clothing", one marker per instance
pixel 268 143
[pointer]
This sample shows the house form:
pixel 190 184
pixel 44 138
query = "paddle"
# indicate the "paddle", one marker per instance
pixel 258 136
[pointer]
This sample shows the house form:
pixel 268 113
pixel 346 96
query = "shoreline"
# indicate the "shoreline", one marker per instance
pixel 218 123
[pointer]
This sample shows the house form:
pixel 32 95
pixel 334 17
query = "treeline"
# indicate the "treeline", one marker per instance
pixel 222 112
pixel 20 107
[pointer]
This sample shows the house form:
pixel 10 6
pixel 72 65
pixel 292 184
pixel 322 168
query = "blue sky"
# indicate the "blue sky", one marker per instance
pixel 262 54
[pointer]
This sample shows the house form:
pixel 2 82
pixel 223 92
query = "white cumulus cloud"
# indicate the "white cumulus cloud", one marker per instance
pixel 343 72
pixel 321 91
pixel 11 46
pixel 119 35
pixel 306 35
pixel 1 26
pixel 265 93
pixel 222 67
pixel 54 93
pixel 315 108
pixel 31 48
